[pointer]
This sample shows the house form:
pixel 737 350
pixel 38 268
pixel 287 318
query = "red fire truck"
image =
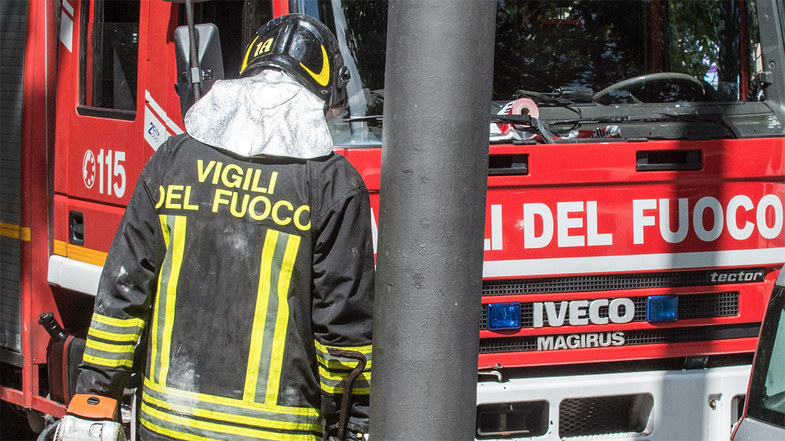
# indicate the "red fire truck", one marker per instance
pixel 635 192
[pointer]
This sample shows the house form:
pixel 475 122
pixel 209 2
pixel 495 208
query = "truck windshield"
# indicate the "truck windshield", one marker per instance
pixel 543 46
pixel 767 387
pixel 585 61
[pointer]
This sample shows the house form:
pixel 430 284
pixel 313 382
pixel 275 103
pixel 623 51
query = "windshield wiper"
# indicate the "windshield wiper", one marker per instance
pixel 526 120
pixel 363 118
pixel 654 117
pixel 563 95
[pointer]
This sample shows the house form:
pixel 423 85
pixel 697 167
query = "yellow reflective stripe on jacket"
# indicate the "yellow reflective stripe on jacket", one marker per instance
pixel 200 410
pixel 327 360
pixel 108 362
pixel 333 371
pixel 109 347
pixel 228 404
pixel 110 341
pixel 178 246
pixel 322 350
pixel 365 375
pixel 282 320
pixel 260 317
pixel 118 323
pixel 114 329
pixel 154 340
pixel 339 390
pixel 332 382
pixel 271 318
pixel 191 415
pixel 173 228
pixel 182 427
pixel 172 433
pixel 104 335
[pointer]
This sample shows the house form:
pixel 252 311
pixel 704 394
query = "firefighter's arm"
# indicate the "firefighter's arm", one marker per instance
pixel 343 301
pixel 122 304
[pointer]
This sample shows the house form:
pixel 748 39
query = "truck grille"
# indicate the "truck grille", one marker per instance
pixel 693 306
pixel 699 306
pixel 610 282
pixel 626 414
pixel 685 335
pixel 636 337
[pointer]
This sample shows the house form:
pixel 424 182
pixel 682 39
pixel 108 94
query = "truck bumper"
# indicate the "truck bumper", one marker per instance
pixel 698 404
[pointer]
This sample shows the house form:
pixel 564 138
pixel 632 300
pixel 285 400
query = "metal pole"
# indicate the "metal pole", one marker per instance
pixel 432 213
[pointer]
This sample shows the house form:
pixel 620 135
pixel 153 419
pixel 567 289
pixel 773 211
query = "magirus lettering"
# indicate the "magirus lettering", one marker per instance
pixel 583 312
pixel 580 341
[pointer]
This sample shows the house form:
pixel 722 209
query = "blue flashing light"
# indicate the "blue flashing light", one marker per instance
pixel 504 316
pixel 662 309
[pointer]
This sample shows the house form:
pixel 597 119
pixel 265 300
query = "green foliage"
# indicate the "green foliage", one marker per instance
pixel 702 33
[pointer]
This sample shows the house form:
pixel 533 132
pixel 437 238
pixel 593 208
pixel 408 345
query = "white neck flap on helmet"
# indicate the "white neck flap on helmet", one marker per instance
pixel 268 114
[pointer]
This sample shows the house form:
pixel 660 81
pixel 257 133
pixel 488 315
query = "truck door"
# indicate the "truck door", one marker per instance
pixel 117 103
pixel 99 109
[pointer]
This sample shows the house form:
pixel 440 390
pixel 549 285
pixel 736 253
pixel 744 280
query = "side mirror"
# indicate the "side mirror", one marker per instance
pixel 210 62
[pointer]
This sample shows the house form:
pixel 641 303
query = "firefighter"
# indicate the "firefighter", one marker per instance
pixel 244 254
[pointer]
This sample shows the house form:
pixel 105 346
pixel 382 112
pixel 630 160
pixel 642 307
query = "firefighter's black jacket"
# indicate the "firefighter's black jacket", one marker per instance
pixel 240 272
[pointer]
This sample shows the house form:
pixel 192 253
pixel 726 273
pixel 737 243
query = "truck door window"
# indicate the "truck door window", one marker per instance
pixel 775 374
pixel 109 54
pixel 235 36
pixel 359 26
pixel 767 387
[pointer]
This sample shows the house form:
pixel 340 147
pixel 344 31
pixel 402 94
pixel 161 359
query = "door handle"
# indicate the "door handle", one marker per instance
pixel 505 165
